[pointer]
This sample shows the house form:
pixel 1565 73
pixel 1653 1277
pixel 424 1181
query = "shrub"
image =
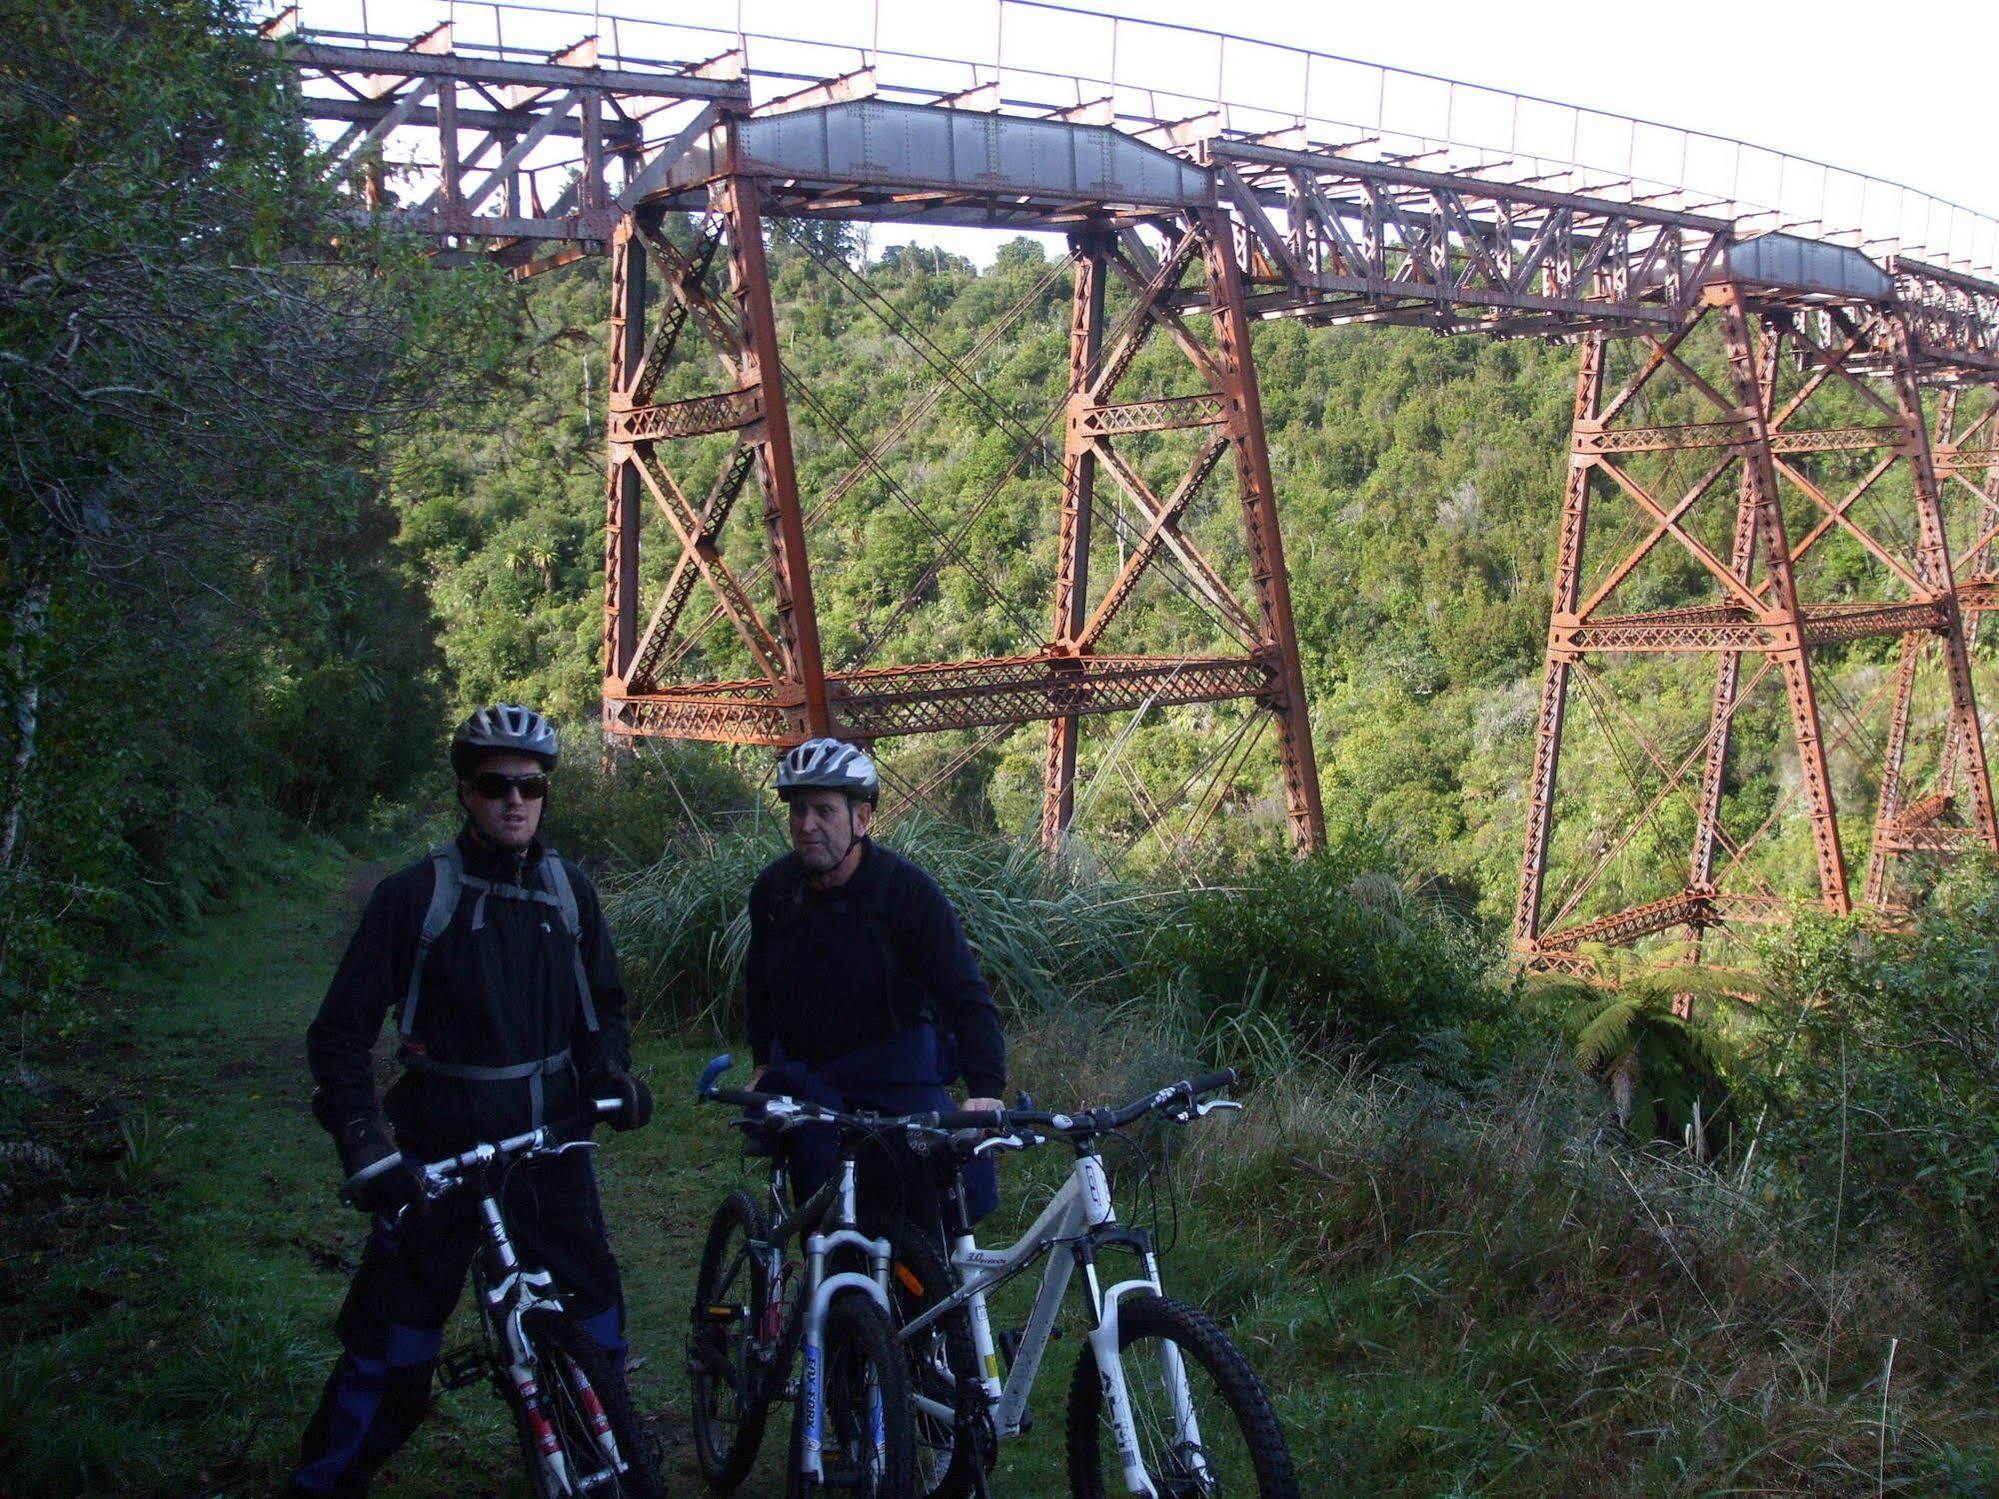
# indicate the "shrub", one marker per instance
pixel 1331 948
pixel 1886 1062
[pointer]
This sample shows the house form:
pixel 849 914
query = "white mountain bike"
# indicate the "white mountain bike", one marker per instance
pixel 572 1412
pixel 1161 1402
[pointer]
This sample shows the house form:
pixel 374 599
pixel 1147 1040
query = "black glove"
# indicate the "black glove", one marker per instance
pixel 378 1178
pixel 634 1096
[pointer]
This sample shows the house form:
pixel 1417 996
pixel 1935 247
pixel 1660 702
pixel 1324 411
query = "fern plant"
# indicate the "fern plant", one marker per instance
pixel 1661 1038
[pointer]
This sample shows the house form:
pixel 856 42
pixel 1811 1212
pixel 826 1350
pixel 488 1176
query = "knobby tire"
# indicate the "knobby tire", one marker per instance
pixel 562 1349
pixel 728 1410
pixel 860 1356
pixel 1240 1437
pixel 943 1363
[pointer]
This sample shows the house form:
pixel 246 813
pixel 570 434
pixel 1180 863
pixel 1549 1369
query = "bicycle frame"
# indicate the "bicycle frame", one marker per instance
pixel 507 1291
pixel 1081 1215
pixel 830 1213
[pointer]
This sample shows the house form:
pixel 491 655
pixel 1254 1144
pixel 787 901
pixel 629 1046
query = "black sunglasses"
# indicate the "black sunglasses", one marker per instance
pixel 493 786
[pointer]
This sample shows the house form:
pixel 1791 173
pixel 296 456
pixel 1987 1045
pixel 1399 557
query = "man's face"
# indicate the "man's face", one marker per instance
pixel 825 826
pixel 509 819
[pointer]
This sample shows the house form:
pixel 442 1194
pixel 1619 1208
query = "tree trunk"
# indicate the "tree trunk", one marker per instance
pixel 24 681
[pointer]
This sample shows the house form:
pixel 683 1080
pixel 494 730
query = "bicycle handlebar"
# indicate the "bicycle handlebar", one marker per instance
pixel 1184 1094
pixel 439 1176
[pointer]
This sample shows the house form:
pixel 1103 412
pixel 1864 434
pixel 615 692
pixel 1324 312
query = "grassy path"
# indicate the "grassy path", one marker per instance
pixel 170 1336
pixel 167 1312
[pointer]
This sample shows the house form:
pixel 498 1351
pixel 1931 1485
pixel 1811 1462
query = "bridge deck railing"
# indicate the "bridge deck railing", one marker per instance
pixel 1179 81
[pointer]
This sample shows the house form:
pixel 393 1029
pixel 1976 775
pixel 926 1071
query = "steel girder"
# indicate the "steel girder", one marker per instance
pixel 488 120
pixel 1079 672
pixel 1758 443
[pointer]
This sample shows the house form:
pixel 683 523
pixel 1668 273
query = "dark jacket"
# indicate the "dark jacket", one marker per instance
pixel 831 971
pixel 495 997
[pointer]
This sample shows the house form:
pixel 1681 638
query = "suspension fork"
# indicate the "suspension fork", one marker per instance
pixel 1102 1232
pixel 820 1289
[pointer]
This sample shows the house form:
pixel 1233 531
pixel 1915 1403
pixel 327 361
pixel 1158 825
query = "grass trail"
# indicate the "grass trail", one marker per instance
pixel 168 1321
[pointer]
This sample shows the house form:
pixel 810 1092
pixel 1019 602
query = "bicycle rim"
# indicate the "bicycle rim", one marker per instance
pixel 1233 1445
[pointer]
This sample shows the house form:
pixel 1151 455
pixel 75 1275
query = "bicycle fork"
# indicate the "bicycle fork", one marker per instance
pixel 812 1385
pixel 1104 1338
pixel 512 1293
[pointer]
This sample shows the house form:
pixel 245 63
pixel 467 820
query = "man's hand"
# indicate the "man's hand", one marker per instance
pixel 982 1105
pixel 378 1178
pixel 635 1098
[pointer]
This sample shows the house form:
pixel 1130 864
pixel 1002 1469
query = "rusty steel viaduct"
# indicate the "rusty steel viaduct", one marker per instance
pixel 1784 390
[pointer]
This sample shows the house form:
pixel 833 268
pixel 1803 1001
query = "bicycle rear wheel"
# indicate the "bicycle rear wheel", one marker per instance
pixel 866 1443
pixel 943 1363
pixel 1241 1448
pixel 589 1441
pixel 731 1294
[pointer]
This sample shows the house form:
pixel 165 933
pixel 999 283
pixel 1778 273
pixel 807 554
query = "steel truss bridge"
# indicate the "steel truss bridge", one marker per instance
pixel 1785 390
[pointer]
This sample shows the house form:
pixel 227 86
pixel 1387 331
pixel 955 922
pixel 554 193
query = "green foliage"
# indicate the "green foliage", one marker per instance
pixel 1331 948
pixel 1286 961
pixel 1884 1066
pixel 1665 1041
pixel 199 625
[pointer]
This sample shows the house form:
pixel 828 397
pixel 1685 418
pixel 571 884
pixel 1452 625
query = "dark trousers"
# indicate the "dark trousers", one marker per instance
pixel 392 1324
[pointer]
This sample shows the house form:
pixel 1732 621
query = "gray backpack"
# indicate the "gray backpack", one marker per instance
pixel 447 887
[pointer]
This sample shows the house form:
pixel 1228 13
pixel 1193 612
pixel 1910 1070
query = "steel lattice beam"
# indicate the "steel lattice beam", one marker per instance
pixel 1864 351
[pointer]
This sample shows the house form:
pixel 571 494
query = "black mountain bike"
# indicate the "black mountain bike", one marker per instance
pixel 577 1431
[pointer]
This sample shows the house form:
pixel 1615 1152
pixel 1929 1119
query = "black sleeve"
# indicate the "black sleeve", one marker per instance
pixel 934 946
pixel 756 1000
pixel 613 1042
pixel 371 980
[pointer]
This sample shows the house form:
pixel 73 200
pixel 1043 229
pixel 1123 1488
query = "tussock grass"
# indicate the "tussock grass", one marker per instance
pixel 1454 1292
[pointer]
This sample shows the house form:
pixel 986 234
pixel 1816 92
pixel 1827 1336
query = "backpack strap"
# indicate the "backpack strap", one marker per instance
pixel 564 891
pixel 447 866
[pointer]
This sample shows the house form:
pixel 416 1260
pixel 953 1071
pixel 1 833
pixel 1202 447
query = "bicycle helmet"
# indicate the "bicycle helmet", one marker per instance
pixel 828 765
pixel 502 729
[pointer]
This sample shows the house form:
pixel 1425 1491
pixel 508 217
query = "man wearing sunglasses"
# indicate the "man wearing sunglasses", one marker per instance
pixel 493 955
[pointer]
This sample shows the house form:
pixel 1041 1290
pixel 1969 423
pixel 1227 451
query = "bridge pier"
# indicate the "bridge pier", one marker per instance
pixel 1812 419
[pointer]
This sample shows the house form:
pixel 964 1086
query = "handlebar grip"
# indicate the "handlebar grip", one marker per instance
pixel 350 1190
pixel 972 1119
pixel 715 1068
pixel 1208 1082
pixel 742 1098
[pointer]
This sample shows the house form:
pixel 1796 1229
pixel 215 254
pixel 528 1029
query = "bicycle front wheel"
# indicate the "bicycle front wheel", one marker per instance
pixel 731 1298
pixel 1231 1446
pixel 588 1440
pixel 866 1445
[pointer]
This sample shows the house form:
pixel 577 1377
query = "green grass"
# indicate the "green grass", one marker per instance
pixel 1449 1291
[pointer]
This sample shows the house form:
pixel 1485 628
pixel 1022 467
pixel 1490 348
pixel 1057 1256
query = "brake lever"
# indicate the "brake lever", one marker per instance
pixel 1022 1141
pixel 1184 1115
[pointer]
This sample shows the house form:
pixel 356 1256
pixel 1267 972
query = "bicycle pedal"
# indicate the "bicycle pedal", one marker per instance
pixel 720 1313
pixel 462 1367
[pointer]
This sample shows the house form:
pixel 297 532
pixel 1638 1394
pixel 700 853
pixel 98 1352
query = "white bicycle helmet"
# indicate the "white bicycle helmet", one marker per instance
pixel 828 765
pixel 503 729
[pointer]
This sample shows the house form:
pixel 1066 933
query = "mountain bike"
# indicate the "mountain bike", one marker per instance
pixel 1184 1413
pixel 572 1412
pixel 758 1314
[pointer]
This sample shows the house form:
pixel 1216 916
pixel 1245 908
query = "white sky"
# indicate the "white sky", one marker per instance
pixel 1903 91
